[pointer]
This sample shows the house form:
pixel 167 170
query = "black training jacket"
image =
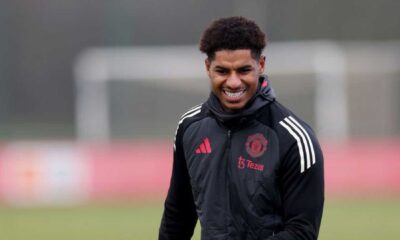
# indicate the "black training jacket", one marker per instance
pixel 252 174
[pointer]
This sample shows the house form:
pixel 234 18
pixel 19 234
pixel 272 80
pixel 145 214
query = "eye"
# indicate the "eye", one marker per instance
pixel 221 71
pixel 244 70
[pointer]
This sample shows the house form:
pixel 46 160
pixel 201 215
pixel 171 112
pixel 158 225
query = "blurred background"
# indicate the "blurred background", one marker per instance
pixel 91 92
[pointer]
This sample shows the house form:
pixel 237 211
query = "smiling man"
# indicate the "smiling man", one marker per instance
pixel 234 77
pixel 244 165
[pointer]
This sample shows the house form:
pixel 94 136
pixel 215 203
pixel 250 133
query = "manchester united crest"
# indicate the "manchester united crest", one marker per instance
pixel 256 145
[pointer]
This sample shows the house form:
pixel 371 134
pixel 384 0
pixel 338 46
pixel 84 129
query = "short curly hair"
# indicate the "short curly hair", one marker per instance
pixel 232 33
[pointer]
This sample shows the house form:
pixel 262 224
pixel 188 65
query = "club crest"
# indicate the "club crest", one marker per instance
pixel 256 145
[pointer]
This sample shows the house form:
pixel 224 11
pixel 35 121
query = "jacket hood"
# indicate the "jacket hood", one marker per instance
pixel 264 95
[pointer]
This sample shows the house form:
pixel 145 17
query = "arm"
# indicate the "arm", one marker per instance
pixel 302 195
pixel 179 218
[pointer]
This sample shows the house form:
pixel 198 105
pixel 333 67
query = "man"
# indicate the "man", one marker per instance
pixel 244 165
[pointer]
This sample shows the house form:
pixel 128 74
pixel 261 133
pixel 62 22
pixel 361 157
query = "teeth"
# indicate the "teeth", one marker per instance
pixel 234 94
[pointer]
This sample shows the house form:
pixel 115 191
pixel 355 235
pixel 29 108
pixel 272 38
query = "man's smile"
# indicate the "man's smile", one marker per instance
pixel 234 95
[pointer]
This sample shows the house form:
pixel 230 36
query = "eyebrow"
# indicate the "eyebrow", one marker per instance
pixel 220 67
pixel 241 67
pixel 245 66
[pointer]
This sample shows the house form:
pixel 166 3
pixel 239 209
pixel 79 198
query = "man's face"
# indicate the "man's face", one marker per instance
pixel 234 76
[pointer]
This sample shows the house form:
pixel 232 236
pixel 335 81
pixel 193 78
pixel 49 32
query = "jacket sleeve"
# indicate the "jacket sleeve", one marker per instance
pixel 179 217
pixel 302 191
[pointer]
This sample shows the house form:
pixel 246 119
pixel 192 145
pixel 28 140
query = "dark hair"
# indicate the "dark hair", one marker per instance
pixel 232 33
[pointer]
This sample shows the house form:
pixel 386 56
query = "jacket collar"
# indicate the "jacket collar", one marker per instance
pixel 264 95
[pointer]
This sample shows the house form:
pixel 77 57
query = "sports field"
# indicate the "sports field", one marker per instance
pixel 344 220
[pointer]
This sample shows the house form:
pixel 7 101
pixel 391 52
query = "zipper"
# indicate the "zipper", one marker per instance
pixel 228 177
pixel 229 154
pixel 228 149
pixel 229 139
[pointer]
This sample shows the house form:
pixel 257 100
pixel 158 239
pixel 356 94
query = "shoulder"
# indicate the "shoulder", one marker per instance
pixel 295 136
pixel 288 124
pixel 192 115
pixel 277 117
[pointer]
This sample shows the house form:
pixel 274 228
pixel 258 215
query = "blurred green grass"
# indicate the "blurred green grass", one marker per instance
pixel 343 219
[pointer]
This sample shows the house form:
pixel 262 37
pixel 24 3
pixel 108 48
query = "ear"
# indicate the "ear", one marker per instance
pixel 207 63
pixel 261 64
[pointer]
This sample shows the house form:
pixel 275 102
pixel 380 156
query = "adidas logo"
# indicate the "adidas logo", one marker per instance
pixel 204 147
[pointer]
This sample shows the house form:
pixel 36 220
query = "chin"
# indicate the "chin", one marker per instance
pixel 234 106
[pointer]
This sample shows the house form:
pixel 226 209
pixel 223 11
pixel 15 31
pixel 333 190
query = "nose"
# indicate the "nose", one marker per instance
pixel 233 81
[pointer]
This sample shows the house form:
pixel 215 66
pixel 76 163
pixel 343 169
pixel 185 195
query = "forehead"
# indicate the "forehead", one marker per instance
pixel 233 57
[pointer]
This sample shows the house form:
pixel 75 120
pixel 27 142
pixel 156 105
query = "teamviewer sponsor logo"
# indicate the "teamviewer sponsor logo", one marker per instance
pixel 246 163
